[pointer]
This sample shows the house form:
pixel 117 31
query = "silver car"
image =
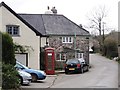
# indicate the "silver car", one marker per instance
pixel 24 77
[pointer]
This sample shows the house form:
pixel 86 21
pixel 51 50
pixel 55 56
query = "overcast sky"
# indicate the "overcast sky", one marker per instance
pixel 75 10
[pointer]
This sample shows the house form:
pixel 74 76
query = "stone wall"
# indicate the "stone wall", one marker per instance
pixel 59 65
pixel 56 42
pixel 82 44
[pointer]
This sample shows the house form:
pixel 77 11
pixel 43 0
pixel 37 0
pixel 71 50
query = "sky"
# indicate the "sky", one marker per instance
pixel 76 10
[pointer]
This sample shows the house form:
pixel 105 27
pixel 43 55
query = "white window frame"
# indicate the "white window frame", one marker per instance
pixel 61 55
pixel 13 30
pixel 67 39
pixel 80 55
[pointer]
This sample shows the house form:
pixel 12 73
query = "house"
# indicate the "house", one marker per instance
pixel 62 34
pixel 22 33
pixel 36 30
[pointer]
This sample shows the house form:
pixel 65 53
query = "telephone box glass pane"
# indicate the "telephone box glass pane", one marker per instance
pixel 49 61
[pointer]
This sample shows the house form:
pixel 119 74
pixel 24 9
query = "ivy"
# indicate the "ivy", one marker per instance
pixel 22 49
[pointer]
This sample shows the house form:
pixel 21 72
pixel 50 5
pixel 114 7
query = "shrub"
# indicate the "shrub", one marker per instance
pixel 9 74
pixel 110 48
pixel 8 53
pixel 9 77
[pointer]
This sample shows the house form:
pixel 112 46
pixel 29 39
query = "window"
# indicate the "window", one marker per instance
pixel 12 30
pixel 67 40
pixel 61 57
pixel 80 55
pixel 70 39
pixel 63 39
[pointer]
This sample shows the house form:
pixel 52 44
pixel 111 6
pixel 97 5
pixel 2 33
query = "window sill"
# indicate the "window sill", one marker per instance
pixel 61 60
pixel 67 42
pixel 15 35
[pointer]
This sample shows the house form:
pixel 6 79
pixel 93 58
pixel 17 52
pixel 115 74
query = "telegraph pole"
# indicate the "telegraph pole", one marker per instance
pixel 103 32
pixel 75 45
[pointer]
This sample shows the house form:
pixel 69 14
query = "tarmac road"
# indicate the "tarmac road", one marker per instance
pixel 102 74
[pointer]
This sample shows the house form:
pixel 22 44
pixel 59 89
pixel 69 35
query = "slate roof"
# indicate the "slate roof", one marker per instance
pixel 53 24
pixel 48 24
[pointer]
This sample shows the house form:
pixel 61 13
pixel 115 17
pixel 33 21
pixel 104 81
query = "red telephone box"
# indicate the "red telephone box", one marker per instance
pixel 49 61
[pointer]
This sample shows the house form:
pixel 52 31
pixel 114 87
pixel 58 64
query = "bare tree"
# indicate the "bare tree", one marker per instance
pixel 97 18
pixel 97 21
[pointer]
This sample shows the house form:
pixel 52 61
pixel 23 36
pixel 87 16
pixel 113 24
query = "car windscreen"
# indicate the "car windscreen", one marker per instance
pixel 72 61
pixel 19 65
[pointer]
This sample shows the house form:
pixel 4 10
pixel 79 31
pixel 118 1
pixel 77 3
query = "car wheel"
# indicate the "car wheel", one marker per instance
pixel 81 70
pixel 34 77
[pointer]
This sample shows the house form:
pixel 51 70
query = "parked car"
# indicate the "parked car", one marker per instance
pixel 24 77
pixel 76 65
pixel 36 74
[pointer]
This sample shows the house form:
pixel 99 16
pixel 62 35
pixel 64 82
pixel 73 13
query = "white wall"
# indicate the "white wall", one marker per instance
pixel 43 41
pixel 27 37
pixel 0 18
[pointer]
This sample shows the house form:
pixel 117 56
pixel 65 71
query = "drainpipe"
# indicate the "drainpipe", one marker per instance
pixel 40 53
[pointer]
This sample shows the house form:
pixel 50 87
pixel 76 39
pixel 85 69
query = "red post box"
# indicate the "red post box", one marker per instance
pixel 49 61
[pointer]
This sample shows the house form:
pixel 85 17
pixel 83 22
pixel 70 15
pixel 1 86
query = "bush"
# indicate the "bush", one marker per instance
pixel 8 52
pixel 110 48
pixel 9 74
pixel 95 49
pixel 9 77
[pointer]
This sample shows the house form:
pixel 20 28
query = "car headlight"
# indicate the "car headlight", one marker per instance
pixel 43 73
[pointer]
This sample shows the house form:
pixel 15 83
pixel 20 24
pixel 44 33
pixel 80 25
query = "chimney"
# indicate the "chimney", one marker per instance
pixel 48 7
pixel 81 25
pixel 54 10
pixel 48 11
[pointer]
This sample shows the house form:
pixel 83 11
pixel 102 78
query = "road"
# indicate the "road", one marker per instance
pixel 102 74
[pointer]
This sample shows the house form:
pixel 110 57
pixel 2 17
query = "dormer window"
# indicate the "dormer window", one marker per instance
pixel 67 39
pixel 13 30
